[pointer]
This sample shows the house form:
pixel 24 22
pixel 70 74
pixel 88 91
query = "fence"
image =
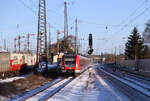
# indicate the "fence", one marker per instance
pixel 142 65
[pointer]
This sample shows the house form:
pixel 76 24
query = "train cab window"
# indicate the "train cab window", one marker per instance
pixel 70 61
pixel 23 59
pixel 15 60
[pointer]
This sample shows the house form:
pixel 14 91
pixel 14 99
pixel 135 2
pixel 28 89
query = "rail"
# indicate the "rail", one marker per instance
pixel 33 93
pixel 134 92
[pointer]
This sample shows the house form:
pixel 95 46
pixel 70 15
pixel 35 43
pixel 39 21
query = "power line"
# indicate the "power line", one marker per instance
pixel 103 25
pixel 145 10
pixel 33 11
pixel 134 12
pixel 135 18
pixel 28 7
pixel 47 9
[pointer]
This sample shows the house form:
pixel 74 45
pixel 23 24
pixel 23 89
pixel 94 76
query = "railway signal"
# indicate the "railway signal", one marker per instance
pixel 90 44
pixel 90 40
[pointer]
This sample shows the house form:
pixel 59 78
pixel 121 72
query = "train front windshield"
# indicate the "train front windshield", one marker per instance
pixel 70 61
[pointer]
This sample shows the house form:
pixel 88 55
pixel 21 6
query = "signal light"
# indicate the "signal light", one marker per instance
pixel 90 40
pixel 90 51
pixel 90 44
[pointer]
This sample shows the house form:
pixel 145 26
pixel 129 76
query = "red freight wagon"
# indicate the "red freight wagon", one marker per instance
pixel 13 63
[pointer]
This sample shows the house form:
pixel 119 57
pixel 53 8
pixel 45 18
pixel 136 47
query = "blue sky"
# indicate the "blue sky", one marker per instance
pixel 93 16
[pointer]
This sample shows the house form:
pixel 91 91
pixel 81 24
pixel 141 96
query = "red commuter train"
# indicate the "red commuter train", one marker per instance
pixel 74 64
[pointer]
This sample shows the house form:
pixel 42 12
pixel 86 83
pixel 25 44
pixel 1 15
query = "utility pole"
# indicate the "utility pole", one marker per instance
pixel 42 51
pixel 49 45
pixel 5 45
pixel 115 55
pixel 135 57
pixel 15 39
pixel 81 45
pixel 19 37
pixel 25 46
pixel 28 41
pixel 76 35
pixel 58 49
pixel 19 42
pixel 65 23
pixel 49 36
pixel 136 46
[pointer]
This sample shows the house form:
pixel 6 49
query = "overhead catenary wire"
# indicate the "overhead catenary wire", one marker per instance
pixel 134 12
pixel 33 11
pixel 104 25
pixel 25 5
pixel 53 11
pixel 135 18
pixel 122 23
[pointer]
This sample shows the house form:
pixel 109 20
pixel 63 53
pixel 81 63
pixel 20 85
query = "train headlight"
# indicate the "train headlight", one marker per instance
pixel 76 65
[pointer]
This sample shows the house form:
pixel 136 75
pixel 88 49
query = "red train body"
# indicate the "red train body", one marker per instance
pixel 74 64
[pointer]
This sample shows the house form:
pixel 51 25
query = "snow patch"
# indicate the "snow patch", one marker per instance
pixel 86 88
pixel 146 92
pixel 2 98
pixel 11 79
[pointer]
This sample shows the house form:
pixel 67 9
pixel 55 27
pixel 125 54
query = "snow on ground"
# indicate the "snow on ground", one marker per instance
pixel 145 85
pixel 11 79
pixel 141 89
pixel 85 88
pixel 44 94
pixel 14 78
pixel 2 98
pixel 136 81
pixel 34 91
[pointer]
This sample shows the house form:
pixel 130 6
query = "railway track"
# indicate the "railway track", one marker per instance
pixel 134 91
pixel 143 83
pixel 141 78
pixel 138 81
pixel 44 92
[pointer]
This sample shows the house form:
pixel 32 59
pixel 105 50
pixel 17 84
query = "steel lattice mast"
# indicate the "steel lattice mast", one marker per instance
pixel 76 36
pixel 42 52
pixel 65 24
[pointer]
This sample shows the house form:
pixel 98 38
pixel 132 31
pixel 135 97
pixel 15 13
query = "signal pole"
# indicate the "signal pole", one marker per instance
pixel 76 35
pixel 42 51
